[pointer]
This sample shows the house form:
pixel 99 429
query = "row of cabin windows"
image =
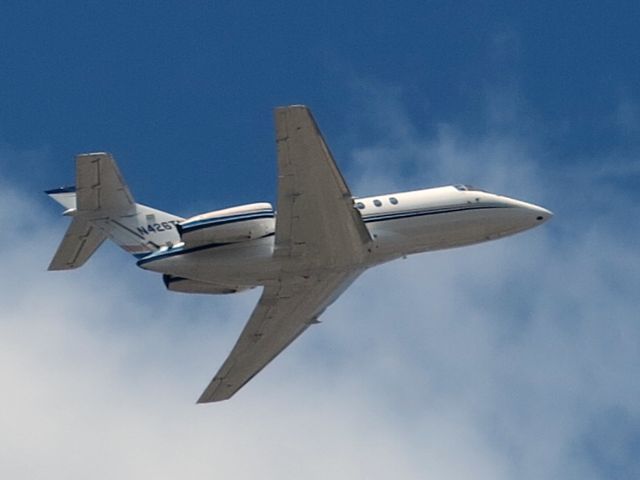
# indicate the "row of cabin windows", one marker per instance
pixel 377 203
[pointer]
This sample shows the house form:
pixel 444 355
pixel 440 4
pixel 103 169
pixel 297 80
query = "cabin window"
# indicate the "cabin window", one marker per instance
pixel 360 206
pixel 377 203
pixel 393 200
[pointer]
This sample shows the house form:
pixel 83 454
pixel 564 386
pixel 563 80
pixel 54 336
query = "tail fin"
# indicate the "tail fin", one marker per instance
pixel 102 207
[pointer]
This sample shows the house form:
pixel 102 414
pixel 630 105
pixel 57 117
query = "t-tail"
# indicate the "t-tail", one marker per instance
pixel 101 206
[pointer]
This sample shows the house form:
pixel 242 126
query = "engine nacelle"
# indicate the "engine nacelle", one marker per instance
pixel 186 285
pixel 231 225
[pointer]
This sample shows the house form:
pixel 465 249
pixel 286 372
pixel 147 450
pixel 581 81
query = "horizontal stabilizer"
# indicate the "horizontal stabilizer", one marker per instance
pixel 65 196
pixel 79 243
pixel 99 185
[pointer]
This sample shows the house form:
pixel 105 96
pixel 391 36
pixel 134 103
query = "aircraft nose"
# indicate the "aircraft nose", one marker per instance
pixel 541 214
pixel 529 214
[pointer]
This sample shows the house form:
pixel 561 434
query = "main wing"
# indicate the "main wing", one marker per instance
pixel 282 314
pixel 317 222
pixel 320 242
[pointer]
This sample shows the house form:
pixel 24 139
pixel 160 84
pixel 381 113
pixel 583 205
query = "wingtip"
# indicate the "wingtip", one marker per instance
pixel 55 266
pixel 292 107
pixel 203 400
pixel 59 190
pixel 212 396
pixel 92 154
pixel 213 392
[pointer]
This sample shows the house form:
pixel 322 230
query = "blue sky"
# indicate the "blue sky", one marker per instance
pixel 515 359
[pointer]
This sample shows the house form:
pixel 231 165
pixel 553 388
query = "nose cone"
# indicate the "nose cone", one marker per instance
pixel 527 215
pixel 532 215
pixel 541 214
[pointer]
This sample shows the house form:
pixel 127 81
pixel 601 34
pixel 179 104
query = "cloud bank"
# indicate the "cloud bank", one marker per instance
pixel 513 359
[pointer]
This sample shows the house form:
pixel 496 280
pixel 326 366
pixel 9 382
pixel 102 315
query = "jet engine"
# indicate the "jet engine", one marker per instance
pixel 231 225
pixel 186 285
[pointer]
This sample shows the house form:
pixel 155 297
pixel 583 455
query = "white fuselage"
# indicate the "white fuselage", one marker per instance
pixel 400 224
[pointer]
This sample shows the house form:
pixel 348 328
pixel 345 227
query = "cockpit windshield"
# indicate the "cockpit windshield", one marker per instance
pixel 468 188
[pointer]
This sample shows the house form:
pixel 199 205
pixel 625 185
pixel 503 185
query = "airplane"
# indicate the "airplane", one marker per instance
pixel 304 256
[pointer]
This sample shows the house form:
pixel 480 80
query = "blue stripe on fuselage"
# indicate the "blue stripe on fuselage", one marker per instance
pixel 431 211
pixel 212 222
pixel 181 250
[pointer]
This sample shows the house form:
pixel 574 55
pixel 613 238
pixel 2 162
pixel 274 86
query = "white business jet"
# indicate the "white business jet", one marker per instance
pixel 320 241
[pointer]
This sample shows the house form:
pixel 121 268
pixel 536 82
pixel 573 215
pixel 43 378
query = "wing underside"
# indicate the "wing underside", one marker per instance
pixel 317 222
pixel 282 314
pixel 320 243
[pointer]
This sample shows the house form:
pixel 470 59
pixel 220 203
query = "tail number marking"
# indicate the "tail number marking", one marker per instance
pixel 157 227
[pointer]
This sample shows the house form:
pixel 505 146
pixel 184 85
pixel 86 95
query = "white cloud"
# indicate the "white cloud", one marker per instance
pixel 497 361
